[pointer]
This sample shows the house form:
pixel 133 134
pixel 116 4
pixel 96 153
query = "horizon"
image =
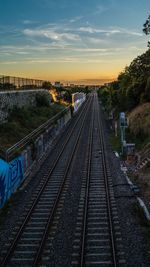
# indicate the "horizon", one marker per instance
pixel 72 42
pixel 84 82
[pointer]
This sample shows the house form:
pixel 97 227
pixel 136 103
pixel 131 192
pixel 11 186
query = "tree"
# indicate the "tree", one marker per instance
pixel 147 90
pixel 146 28
pixel 42 100
pixel 46 85
pixel 67 96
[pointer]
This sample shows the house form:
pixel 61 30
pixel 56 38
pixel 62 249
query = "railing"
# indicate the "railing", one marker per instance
pixel 9 153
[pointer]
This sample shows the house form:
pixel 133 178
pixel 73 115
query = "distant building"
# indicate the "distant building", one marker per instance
pixel 8 82
pixel 57 84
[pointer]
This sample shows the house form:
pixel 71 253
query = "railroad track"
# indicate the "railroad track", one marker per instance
pixel 28 241
pixel 97 239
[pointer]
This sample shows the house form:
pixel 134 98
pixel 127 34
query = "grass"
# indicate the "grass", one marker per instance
pixel 115 142
pixel 139 140
pixel 24 120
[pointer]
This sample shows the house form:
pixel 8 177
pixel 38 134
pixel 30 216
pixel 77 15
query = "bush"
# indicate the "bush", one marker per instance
pixel 139 120
pixel 42 100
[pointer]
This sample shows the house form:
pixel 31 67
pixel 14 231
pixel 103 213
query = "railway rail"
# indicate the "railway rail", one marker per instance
pixel 27 245
pixel 97 239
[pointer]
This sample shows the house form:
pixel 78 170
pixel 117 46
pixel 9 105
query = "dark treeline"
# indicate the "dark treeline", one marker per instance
pixel 132 87
pixel 131 90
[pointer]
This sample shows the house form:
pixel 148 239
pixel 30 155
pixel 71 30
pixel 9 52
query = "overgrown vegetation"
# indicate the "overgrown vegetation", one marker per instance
pixel 130 93
pixel 132 87
pixel 140 120
pixel 65 93
pixel 115 143
pixel 42 100
pixel 22 121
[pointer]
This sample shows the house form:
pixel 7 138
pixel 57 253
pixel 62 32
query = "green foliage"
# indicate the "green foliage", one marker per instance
pixel 66 92
pixel 46 85
pixel 8 86
pixel 147 90
pixel 146 28
pixel 130 91
pixel 132 86
pixel 67 96
pixel 105 96
pixel 24 120
pixel 76 89
pixel 42 100
pixel 115 143
pixel 139 120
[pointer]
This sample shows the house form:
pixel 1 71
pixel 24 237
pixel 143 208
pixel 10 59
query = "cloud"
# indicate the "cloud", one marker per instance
pixel 26 22
pixel 75 19
pixel 43 61
pixel 64 36
pixel 8 62
pixel 47 47
pixel 69 43
pixel 90 30
pixel 51 34
pixel 90 49
pixel 100 9
pixel 109 31
pixel 48 50
pixel 22 53
pixel 131 32
pixel 53 60
pixel 97 41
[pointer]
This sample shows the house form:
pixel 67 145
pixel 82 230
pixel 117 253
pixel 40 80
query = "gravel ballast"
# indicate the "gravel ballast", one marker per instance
pixel 136 244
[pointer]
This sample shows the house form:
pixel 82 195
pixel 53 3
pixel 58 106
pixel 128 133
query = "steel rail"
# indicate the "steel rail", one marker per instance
pixel 14 243
pixel 112 238
pixel 70 163
pixel 87 193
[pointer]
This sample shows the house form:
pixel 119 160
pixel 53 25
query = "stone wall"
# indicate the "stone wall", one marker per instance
pixel 10 99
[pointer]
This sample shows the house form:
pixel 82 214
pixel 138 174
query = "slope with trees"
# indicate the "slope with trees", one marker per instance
pixel 131 90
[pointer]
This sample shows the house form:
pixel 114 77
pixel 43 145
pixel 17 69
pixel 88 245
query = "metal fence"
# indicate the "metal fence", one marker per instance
pixel 13 83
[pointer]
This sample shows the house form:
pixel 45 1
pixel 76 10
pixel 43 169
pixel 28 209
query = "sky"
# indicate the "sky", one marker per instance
pixel 84 41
